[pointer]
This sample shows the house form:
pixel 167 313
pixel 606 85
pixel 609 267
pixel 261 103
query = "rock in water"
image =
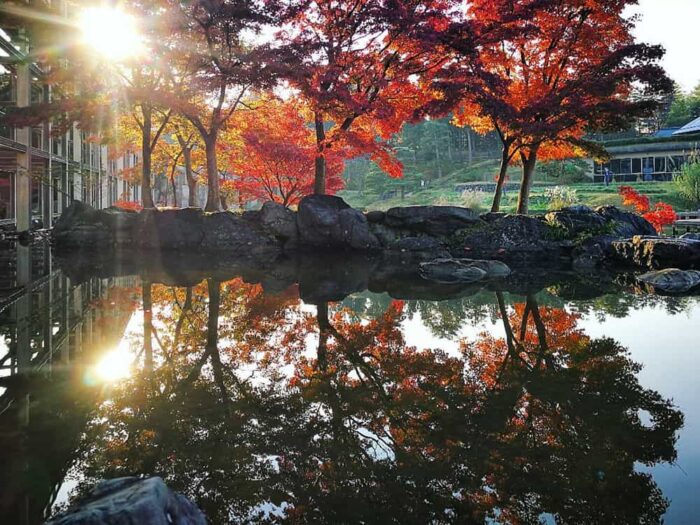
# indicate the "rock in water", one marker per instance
pixel 672 280
pixel 127 501
pixel 326 221
pixel 462 270
pixel 658 252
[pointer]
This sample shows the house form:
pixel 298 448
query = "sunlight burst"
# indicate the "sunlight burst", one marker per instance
pixel 114 365
pixel 110 32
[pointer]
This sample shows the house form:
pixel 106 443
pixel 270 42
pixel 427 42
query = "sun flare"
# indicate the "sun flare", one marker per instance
pixel 110 32
pixel 114 366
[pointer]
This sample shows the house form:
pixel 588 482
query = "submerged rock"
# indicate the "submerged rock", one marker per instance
pixel 462 270
pixel 127 501
pixel 672 280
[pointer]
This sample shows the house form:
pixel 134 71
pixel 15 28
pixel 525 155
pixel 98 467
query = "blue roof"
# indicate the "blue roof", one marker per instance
pixel 690 127
pixel 665 132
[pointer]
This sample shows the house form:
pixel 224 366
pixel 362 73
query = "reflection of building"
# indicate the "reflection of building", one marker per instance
pixel 40 175
pixel 50 328
pixel 654 158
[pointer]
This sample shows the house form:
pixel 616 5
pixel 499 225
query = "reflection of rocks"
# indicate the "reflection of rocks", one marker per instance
pixel 126 501
pixel 672 280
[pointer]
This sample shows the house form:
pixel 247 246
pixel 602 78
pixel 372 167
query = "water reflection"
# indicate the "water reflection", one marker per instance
pixel 261 408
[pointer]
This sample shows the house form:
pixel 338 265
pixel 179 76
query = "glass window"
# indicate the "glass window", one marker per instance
pixel 615 165
pixel 7 195
pixel 8 83
pixel 660 164
pixel 625 166
pixel 636 165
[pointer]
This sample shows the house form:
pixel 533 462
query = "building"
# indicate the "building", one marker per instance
pixel 651 158
pixel 41 174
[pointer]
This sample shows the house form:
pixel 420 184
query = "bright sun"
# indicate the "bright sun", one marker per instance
pixel 110 32
pixel 114 365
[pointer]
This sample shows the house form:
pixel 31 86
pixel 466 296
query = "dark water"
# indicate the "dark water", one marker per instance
pixel 337 392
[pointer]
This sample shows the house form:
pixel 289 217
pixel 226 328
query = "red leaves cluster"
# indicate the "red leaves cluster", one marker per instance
pixel 127 205
pixel 659 216
pixel 273 153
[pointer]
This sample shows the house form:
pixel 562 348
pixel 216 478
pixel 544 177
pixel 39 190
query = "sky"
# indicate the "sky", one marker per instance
pixel 675 25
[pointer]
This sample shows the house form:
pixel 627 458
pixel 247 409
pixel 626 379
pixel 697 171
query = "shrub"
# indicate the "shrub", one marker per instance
pixel 560 197
pixel 687 182
pixel 661 215
pixel 473 199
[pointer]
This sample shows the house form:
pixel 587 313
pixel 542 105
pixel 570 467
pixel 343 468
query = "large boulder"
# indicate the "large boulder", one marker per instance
pixel 127 501
pixel 625 224
pixel 181 229
pixel 657 252
pixel 325 221
pixel 577 220
pixel 433 220
pixel 227 231
pixel 510 237
pixel 82 226
pixel 671 280
pixel 280 221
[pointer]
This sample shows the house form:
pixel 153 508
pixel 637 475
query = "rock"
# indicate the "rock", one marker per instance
pixel 416 244
pixel 624 223
pixel 672 280
pixel 169 229
pixel 383 233
pixel 592 252
pixel 325 221
pixel 375 217
pixel 433 220
pixel 230 232
pixel 576 220
pixel 511 237
pixel 82 226
pixel 657 252
pixel 279 220
pixel 493 269
pixel 126 501
pixel 451 271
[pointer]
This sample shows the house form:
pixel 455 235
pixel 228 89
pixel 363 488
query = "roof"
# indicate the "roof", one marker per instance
pixel 690 127
pixel 666 132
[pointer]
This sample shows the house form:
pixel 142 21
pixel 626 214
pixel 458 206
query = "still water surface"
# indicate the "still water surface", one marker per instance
pixel 487 406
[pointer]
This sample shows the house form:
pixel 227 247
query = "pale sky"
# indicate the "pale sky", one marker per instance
pixel 674 24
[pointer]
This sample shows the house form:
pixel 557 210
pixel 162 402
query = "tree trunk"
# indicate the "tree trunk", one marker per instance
pixel 501 181
pixel 529 163
pixel 213 193
pixel 320 163
pixel 191 181
pixel 470 153
pixel 172 180
pixel 146 191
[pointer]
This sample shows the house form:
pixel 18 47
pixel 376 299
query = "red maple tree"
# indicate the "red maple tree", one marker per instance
pixel 547 73
pixel 660 216
pixel 273 154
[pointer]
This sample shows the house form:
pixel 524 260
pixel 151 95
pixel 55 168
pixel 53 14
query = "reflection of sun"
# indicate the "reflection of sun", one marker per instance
pixel 110 32
pixel 114 365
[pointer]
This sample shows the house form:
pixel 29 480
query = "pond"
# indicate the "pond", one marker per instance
pixel 328 392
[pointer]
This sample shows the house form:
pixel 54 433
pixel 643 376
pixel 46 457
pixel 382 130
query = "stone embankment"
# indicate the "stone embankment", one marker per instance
pixel 457 242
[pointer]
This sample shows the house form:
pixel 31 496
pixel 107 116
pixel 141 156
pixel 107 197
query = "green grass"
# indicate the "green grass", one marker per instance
pixel 588 193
